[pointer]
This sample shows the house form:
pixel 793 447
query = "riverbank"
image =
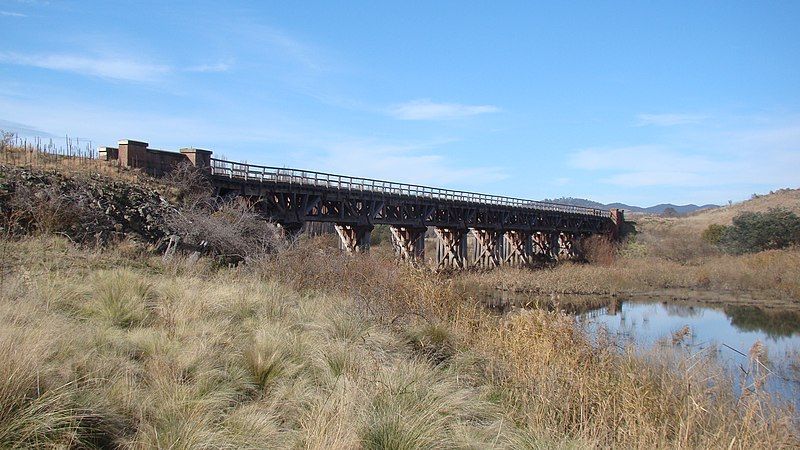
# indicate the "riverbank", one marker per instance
pixel 770 278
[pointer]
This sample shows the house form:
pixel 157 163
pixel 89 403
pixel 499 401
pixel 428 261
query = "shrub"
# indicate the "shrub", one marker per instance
pixel 670 212
pixel 599 249
pixel 230 230
pixel 754 231
pixel 714 233
pixel 46 210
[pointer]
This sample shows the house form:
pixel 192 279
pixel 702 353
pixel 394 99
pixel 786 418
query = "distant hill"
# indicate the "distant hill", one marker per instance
pixel 657 209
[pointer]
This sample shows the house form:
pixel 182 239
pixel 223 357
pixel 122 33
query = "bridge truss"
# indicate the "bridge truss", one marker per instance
pixel 506 230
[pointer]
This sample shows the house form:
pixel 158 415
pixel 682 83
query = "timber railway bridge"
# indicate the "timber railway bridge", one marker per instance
pixel 506 230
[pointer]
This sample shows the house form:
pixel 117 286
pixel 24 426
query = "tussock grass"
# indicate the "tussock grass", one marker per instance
pixel 141 356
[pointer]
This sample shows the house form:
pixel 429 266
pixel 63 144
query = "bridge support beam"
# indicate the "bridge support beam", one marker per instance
pixel 355 238
pixel 542 245
pixel 451 248
pixel 517 249
pixel 487 244
pixel 409 243
pixel 568 247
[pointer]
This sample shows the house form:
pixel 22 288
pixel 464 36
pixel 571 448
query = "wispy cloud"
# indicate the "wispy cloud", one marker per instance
pixel 668 119
pixel 210 68
pixel 12 14
pixel 428 110
pixel 114 67
pixel 290 46
pixel 23 130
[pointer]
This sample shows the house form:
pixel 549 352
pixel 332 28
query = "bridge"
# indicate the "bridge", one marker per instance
pixel 506 230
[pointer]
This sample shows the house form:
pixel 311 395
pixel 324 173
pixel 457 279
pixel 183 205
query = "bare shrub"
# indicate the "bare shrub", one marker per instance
pixel 188 184
pixel 230 230
pixel 43 211
pixel 599 249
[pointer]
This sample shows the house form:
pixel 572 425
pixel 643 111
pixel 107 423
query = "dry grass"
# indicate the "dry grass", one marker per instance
pixel 695 223
pixel 316 351
pixel 774 274
pixel 148 356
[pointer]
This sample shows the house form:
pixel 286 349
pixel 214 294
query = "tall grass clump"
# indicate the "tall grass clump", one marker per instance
pixel 121 298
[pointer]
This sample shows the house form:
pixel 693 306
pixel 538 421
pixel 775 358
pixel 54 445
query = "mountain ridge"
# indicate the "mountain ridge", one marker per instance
pixel 655 209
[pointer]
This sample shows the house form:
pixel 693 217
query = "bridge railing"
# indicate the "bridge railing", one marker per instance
pixel 265 174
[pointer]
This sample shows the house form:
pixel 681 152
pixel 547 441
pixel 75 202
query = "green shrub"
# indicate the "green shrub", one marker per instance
pixel 754 231
pixel 714 233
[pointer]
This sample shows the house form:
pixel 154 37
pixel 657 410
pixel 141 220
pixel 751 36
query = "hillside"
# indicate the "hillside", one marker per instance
pixel 784 198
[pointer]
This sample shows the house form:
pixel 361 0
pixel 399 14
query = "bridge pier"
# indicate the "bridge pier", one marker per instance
pixel 409 243
pixel 451 248
pixel 517 249
pixel 487 243
pixel 354 238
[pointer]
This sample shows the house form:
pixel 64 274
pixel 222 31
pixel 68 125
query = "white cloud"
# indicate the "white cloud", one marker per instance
pixel 669 119
pixel 428 110
pixel 209 68
pixel 117 68
pixel 12 14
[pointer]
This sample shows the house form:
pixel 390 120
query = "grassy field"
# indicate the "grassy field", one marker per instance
pixel 314 349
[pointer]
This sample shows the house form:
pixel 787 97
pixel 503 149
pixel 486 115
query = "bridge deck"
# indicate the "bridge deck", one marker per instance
pixel 250 173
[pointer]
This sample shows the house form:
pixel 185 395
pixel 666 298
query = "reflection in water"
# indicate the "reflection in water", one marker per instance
pixel 681 310
pixel 774 324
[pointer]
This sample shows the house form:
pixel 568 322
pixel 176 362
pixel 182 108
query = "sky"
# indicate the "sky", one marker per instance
pixel 636 102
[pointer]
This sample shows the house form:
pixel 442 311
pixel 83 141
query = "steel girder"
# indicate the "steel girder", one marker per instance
pixel 293 204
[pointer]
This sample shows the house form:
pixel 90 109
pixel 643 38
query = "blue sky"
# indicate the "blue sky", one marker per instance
pixel 639 102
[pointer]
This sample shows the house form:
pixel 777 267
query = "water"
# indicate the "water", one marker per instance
pixel 729 329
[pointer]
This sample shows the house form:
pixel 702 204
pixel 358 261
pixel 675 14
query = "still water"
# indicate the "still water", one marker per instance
pixel 728 330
